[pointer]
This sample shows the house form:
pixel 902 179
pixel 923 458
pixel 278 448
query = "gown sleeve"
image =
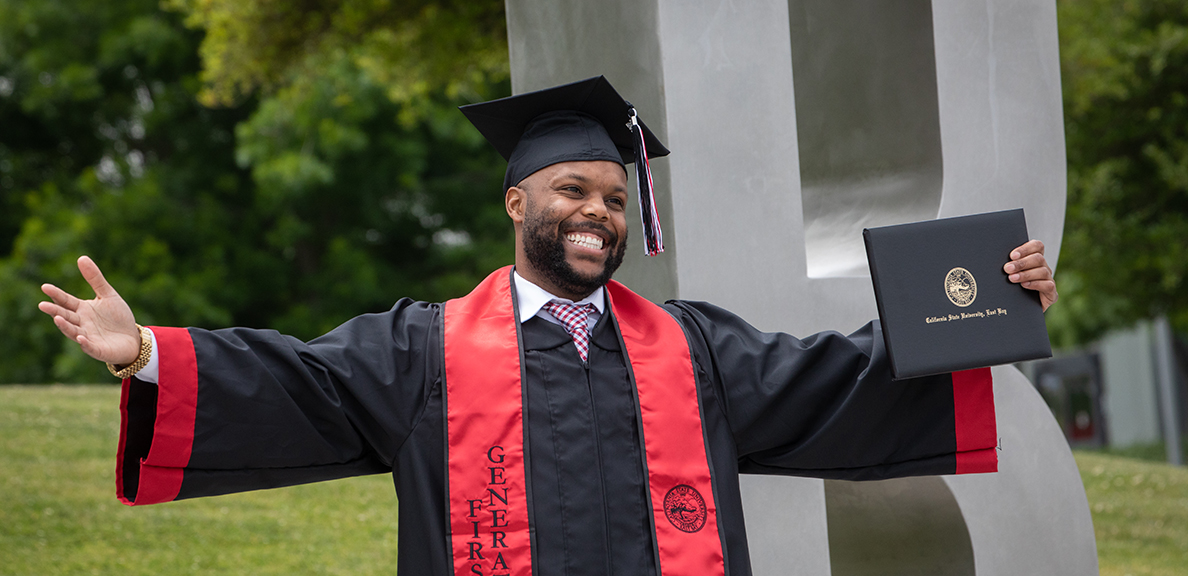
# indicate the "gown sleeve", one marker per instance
pixel 825 406
pixel 242 409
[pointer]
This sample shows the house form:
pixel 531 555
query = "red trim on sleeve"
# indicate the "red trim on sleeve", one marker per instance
pixel 162 470
pixel 177 399
pixel 976 430
pixel 123 441
pixel 977 461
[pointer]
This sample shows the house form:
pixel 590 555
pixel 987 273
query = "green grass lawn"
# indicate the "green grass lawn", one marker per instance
pixel 1140 514
pixel 59 515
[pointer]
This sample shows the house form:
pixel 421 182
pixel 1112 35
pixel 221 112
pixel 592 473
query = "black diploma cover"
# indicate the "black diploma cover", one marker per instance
pixel 945 303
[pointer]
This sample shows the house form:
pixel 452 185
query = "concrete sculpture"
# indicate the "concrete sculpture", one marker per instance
pixel 793 125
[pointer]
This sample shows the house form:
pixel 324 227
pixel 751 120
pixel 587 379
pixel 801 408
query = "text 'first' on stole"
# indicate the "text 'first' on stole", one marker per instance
pixel 496 503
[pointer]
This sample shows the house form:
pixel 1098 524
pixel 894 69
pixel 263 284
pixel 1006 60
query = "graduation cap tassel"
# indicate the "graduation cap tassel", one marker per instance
pixel 653 237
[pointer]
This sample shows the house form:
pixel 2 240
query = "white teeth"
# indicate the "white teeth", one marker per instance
pixel 586 241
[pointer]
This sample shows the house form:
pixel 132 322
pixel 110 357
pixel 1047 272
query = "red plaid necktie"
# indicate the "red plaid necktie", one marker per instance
pixel 573 317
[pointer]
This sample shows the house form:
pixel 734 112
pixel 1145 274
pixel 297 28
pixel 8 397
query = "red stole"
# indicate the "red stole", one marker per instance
pixel 490 532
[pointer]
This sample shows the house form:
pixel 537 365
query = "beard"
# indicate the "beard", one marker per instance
pixel 544 246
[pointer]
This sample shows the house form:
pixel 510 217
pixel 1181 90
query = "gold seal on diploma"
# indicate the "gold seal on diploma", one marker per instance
pixel 960 287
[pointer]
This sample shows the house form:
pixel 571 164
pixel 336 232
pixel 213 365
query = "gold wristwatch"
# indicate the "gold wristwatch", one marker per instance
pixel 146 352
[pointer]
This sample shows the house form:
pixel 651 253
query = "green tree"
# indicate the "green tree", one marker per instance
pixel 1125 253
pixel 416 50
pixel 312 194
pixel 100 143
pixel 359 208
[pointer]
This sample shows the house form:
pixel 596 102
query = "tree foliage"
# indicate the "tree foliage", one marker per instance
pixel 316 190
pixel 1125 253
pixel 415 49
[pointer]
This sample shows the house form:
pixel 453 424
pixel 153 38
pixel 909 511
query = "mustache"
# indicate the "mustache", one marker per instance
pixel 614 238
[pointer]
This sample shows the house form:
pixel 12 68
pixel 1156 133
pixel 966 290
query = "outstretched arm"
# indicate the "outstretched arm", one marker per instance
pixel 240 409
pixel 1029 268
pixel 103 326
pixel 825 406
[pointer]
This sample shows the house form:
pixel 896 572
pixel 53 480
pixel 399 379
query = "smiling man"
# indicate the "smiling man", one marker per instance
pixel 552 421
pixel 571 226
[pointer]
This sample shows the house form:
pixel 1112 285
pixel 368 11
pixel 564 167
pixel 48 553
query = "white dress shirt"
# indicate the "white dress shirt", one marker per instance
pixel 532 299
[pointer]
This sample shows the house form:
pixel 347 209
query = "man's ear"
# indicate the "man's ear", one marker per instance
pixel 516 202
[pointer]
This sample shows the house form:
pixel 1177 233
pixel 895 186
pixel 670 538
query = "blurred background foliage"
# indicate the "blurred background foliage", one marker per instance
pixel 289 165
pixel 1124 65
pixel 245 162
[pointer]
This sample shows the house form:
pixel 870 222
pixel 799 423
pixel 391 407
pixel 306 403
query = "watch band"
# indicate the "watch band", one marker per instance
pixel 146 352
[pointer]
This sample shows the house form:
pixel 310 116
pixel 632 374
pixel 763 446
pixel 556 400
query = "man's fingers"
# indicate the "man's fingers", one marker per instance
pixel 1033 275
pixel 1029 262
pixel 1044 286
pixel 55 310
pixel 1046 290
pixel 1031 247
pixel 90 272
pixel 61 297
pixel 49 308
pixel 70 330
pixel 87 347
pixel 1030 269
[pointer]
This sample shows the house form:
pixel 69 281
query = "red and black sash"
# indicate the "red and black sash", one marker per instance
pixel 490 529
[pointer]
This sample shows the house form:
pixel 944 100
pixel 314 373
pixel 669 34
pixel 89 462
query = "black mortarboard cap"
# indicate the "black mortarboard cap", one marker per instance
pixel 582 121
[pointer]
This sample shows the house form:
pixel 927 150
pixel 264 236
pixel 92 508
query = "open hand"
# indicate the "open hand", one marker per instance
pixel 1029 268
pixel 104 326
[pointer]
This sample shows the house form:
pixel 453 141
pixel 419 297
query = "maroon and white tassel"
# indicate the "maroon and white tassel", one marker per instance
pixel 653 237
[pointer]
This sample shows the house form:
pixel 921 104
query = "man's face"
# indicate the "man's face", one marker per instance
pixel 574 227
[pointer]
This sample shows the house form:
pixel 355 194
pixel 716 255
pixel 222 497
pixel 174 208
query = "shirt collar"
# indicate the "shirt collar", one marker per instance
pixel 531 298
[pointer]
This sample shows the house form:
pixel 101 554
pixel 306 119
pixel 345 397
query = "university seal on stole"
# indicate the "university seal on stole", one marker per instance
pixel 685 508
pixel 960 287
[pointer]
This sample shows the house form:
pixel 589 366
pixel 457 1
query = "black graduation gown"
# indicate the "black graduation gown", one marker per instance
pixel 366 398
